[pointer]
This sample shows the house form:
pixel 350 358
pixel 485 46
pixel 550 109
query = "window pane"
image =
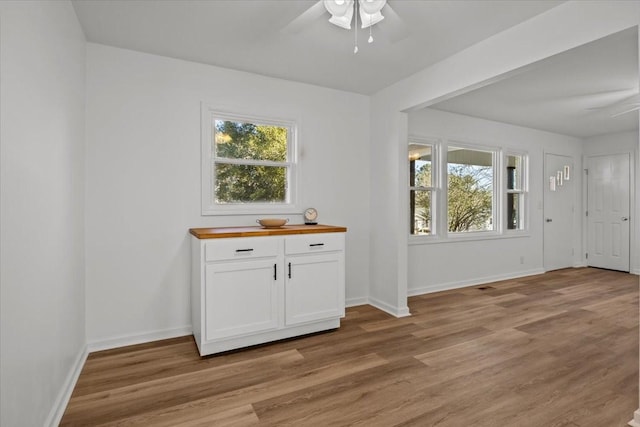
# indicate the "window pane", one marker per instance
pixel 514 211
pixel 470 190
pixel 420 212
pixel 237 140
pixel 420 165
pixel 514 173
pixel 250 184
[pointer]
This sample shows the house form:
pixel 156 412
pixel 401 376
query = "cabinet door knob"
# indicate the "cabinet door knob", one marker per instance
pixel 289 270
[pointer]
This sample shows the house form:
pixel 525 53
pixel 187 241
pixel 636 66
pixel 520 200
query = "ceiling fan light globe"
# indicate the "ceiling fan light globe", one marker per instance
pixel 342 21
pixel 369 19
pixel 338 7
pixel 372 6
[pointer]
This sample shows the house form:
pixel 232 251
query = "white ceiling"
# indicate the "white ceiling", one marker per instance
pixel 292 39
pixel 574 93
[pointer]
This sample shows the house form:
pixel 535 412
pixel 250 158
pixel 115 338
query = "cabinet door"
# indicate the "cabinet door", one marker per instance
pixel 241 298
pixel 314 287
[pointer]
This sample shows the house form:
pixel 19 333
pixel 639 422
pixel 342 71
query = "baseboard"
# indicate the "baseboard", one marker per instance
pixel 635 271
pixel 126 340
pixel 55 416
pixel 352 302
pixel 394 311
pixel 635 422
pixel 471 282
pixel 579 265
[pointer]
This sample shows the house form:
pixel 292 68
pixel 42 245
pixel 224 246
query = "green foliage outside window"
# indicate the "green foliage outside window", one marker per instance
pixel 262 177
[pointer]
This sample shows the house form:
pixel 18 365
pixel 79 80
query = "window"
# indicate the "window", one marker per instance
pixel 421 189
pixel 515 191
pixel 248 164
pixel 462 191
pixel 470 195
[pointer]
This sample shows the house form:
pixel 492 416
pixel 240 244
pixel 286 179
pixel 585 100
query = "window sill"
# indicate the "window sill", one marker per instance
pixel 432 240
pixel 252 210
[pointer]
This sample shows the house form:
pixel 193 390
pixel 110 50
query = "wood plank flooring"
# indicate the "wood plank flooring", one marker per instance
pixel 558 349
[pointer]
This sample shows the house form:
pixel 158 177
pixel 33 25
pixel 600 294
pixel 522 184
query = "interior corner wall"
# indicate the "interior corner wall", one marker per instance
pixel 618 143
pixel 43 341
pixel 143 181
pixel 447 264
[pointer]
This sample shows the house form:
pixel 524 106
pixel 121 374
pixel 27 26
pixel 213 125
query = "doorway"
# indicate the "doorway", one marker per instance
pixel 559 199
pixel 608 202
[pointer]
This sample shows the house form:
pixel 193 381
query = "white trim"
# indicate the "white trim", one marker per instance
pixel 473 282
pixel 125 340
pixel 635 422
pixel 353 302
pixel 208 205
pixel 394 311
pixel 635 271
pixel 57 411
pixel 471 237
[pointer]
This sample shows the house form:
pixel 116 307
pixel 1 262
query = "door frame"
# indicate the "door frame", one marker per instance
pixel 576 237
pixel 634 263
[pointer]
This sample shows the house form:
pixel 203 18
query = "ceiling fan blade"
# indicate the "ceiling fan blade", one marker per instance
pixel 393 26
pixel 305 19
pixel 629 109
pixel 618 108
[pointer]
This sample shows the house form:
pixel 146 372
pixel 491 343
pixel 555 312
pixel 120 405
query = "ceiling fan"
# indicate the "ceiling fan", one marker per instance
pixel 620 107
pixel 366 12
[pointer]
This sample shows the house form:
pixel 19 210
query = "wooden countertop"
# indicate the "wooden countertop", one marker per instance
pixel 251 231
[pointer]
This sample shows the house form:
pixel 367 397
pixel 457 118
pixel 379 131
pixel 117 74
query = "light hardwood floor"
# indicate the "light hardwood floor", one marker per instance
pixel 559 349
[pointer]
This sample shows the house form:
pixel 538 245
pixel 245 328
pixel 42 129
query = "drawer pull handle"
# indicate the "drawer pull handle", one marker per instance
pixel 275 272
pixel 289 270
pixel 244 250
pixel 316 244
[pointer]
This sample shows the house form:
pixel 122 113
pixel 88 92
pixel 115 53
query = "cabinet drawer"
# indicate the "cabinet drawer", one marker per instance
pixel 312 243
pixel 240 248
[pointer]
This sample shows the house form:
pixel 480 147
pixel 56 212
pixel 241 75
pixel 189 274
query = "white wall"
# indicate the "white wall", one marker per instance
pixel 564 27
pixel 143 181
pixel 42 212
pixel 448 264
pixel 618 143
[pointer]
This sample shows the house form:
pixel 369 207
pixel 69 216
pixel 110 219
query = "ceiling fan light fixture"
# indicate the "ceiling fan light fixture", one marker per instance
pixel 343 21
pixel 369 19
pixel 342 12
pixel 338 8
pixel 372 6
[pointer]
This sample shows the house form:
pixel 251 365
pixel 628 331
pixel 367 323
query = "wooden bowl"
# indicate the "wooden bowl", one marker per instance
pixel 272 222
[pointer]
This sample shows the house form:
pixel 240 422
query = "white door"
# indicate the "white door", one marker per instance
pixel 559 197
pixel 314 288
pixel 608 212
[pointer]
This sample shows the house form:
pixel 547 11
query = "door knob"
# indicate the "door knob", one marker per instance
pixel 549 220
pixel 624 218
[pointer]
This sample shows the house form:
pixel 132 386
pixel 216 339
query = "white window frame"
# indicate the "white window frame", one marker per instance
pixel 209 115
pixel 524 191
pixel 495 188
pixel 434 188
pixel 440 233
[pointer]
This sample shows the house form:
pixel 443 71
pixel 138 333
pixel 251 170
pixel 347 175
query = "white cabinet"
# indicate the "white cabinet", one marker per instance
pixel 240 298
pixel 314 283
pixel 251 290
